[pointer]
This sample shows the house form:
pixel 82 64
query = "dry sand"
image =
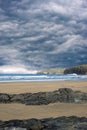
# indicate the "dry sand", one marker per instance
pixel 33 87
pixel 20 111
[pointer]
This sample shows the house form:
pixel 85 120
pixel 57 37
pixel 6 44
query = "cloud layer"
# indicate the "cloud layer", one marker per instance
pixel 43 34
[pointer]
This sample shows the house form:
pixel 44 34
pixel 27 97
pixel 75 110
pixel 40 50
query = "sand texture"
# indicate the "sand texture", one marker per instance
pixel 33 87
pixel 21 111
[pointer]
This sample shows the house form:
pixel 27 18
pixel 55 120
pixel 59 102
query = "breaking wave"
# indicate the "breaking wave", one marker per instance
pixel 40 77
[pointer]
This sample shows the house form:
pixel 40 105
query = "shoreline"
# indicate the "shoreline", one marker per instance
pixel 27 81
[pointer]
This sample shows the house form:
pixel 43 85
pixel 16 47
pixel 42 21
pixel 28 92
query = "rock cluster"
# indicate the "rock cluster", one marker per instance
pixel 81 70
pixel 61 123
pixel 65 95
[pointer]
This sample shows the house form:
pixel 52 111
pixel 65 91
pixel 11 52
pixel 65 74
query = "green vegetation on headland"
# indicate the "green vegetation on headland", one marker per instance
pixel 81 70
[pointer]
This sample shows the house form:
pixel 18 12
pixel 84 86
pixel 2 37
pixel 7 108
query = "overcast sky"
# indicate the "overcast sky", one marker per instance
pixel 42 34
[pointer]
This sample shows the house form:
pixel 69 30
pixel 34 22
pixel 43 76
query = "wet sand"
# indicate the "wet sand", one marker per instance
pixel 20 111
pixel 33 87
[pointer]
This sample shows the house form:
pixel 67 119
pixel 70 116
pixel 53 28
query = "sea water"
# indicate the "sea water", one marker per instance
pixel 40 77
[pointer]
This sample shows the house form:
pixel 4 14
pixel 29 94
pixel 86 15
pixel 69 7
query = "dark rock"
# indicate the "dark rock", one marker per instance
pixel 81 69
pixel 66 95
pixel 62 95
pixel 81 126
pixel 80 97
pixel 1 128
pixel 61 123
pixel 33 124
pixel 4 98
pixel 17 98
pixel 65 90
pixel 14 128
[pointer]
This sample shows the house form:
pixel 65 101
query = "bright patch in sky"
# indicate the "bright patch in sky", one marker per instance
pixel 19 70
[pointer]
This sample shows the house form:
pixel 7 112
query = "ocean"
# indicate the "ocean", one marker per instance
pixel 41 77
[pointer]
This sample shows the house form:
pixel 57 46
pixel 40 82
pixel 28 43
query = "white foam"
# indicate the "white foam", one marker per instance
pixel 40 77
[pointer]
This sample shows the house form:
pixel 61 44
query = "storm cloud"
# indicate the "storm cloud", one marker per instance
pixel 43 34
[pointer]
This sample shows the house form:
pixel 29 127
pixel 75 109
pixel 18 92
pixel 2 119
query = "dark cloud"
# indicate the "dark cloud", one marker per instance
pixel 43 34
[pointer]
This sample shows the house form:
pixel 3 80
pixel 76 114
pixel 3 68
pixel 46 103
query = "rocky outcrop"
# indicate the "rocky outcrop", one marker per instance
pixel 65 95
pixel 4 98
pixel 61 123
pixel 80 70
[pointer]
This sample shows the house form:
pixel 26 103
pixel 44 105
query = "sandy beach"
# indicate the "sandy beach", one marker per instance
pixel 33 87
pixel 20 111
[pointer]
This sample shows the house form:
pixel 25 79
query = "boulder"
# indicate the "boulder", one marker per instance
pixel 4 98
